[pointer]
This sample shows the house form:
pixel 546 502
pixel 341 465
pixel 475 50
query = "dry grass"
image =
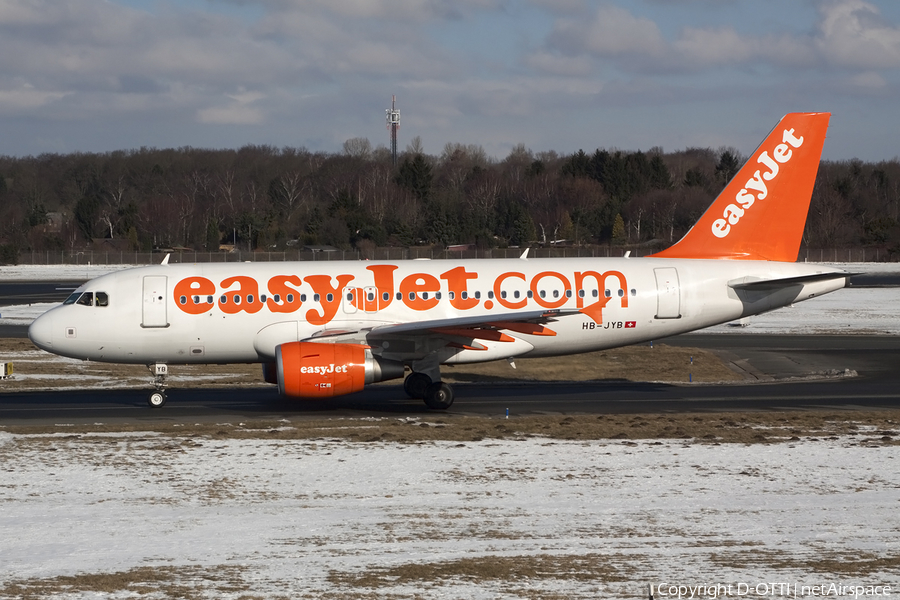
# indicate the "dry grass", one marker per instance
pixel 861 427
pixel 826 563
pixel 505 569
pixel 171 582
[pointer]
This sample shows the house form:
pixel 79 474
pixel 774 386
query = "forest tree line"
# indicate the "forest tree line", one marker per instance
pixel 266 198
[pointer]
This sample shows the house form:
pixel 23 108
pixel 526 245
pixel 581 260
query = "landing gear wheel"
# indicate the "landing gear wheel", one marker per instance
pixel 415 384
pixel 156 399
pixel 439 396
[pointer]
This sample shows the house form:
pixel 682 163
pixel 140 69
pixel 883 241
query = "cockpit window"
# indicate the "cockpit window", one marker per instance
pixel 102 299
pixel 87 299
pixel 72 298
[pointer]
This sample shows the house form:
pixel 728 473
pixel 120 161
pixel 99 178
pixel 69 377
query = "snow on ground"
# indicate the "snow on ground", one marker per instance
pixel 849 310
pixel 57 272
pixel 338 519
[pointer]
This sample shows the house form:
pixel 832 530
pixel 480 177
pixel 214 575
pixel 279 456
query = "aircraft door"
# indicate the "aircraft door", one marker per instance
pixel 668 293
pixel 154 304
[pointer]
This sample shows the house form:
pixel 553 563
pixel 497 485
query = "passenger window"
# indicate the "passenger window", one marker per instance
pixel 581 293
pixel 370 296
pixel 102 299
pixel 290 298
pixel 277 298
pixel 478 295
pixel 329 297
pixel 315 297
pixel 87 299
pixel 349 296
pixel 621 292
pixel 209 299
pixel 386 296
pixel 608 294
pixel 224 299
pixel 633 292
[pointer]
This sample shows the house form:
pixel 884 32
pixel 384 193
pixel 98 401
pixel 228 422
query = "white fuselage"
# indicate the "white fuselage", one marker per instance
pixel 239 312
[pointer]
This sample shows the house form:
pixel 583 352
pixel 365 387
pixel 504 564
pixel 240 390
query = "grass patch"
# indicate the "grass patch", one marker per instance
pixel 510 569
pixel 183 582
pixel 877 428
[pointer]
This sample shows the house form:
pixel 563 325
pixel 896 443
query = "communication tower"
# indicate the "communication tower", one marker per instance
pixel 393 124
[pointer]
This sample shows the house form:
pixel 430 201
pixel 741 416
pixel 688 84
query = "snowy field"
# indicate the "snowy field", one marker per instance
pixel 526 518
pixel 143 515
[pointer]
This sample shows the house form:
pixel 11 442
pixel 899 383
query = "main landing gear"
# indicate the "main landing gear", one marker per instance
pixel 157 398
pixel 437 394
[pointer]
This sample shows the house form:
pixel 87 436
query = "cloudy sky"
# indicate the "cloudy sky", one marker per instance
pixel 100 75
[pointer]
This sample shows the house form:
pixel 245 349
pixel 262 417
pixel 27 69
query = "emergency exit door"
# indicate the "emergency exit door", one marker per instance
pixel 668 293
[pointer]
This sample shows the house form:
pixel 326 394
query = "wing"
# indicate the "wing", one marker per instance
pixel 417 339
pixel 747 283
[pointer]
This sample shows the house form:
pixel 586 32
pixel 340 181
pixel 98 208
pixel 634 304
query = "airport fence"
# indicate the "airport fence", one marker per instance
pixel 95 257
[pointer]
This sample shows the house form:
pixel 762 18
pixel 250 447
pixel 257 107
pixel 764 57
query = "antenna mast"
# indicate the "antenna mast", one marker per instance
pixel 393 124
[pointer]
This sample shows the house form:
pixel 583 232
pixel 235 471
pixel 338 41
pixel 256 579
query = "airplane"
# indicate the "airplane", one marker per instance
pixel 326 329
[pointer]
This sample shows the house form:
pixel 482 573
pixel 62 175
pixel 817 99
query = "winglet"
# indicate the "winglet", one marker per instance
pixel 761 213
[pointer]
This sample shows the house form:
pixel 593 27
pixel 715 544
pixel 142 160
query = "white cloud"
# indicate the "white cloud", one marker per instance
pixel 556 64
pixel 853 34
pixel 237 112
pixel 26 96
pixel 612 31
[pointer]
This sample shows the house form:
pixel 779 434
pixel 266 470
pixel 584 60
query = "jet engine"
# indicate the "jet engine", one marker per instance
pixel 321 370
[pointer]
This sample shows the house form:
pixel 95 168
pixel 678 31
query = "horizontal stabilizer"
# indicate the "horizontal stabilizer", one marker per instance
pixel 750 283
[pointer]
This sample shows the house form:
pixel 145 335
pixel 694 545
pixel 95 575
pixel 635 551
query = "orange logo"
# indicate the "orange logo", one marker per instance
pixel 417 291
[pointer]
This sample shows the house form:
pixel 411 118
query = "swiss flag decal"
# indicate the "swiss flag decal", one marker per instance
pixel 629 324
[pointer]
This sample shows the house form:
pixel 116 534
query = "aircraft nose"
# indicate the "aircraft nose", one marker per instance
pixel 40 332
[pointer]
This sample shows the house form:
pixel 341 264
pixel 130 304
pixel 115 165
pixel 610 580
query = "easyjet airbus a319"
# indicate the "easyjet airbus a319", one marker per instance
pixel 326 329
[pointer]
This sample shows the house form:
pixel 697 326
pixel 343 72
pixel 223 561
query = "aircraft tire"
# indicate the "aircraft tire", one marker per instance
pixel 439 396
pixel 416 384
pixel 156 399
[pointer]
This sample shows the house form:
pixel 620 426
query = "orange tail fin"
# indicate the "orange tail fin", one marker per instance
pixel 761 213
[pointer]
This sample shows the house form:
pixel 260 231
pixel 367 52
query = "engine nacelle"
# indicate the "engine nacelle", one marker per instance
pixel 314 370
